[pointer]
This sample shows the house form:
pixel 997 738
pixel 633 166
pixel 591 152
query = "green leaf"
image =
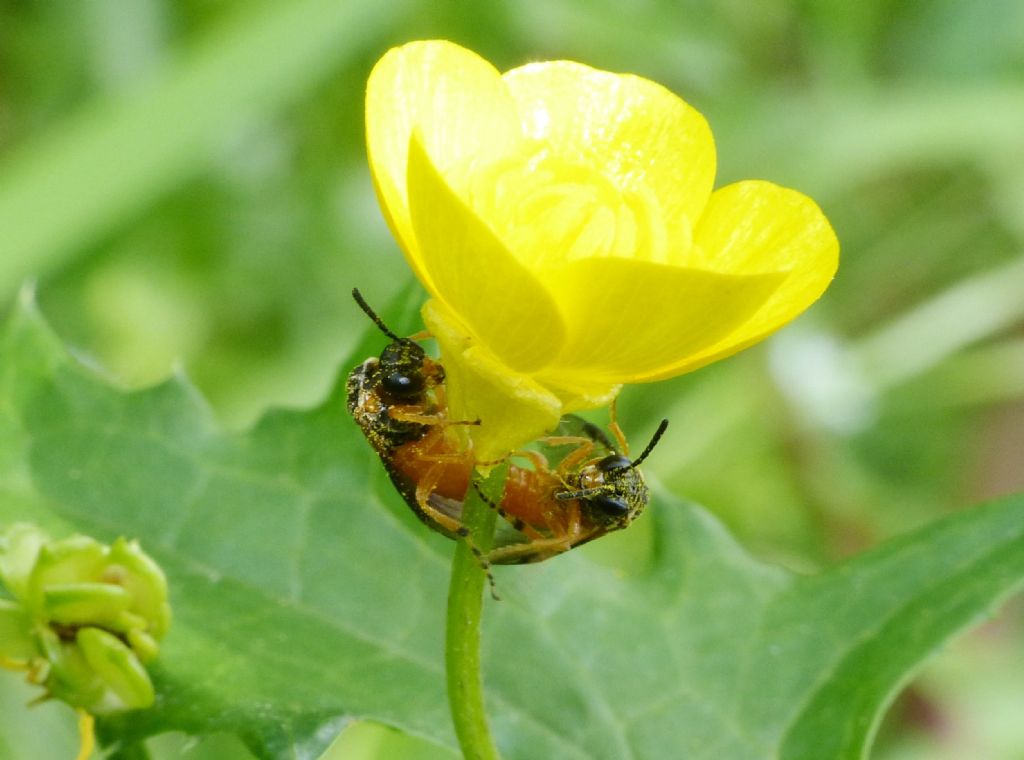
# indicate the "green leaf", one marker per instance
pixel 305 595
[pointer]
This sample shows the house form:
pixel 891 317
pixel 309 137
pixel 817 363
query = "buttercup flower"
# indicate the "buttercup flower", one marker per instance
pixel 563 221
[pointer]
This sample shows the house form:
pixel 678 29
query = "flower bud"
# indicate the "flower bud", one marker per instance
pixel 83 617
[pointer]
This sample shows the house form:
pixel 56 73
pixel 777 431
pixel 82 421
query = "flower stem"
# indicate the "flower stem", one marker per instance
pixel 462 634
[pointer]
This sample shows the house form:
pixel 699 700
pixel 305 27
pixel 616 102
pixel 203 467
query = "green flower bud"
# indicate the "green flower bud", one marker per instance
pixel 19 546
pixel 81 603
pixel 67 675
pixel 144 645
pixel 136 572
pixel 84 617
pixel 117 666
pixel 16 644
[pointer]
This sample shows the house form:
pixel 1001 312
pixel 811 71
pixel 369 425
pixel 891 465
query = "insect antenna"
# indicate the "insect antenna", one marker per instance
pixel 373 315
pixel 583 493
pixel 586 493
pixel 654 442
pixel 650 447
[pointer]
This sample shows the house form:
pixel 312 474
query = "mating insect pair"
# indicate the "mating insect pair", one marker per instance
pixel 398 400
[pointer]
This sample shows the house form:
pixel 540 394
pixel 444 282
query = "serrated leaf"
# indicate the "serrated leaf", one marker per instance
pixel 306 596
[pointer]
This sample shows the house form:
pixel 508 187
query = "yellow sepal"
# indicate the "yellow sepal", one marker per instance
pixel 512 408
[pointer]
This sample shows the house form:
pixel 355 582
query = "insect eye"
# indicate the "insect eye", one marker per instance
pixel 614 462
pixel 400 384
pixel 610 505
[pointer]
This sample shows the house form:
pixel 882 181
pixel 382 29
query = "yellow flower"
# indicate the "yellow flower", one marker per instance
pixel 563 221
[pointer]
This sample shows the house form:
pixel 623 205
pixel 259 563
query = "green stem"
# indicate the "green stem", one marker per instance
pixel 462 634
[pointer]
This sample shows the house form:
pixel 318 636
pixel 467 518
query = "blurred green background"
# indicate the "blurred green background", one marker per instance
pixel 185 182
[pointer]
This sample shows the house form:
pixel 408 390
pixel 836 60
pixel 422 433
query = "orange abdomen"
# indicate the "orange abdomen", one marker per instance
pixel 417 459
pixel 530 495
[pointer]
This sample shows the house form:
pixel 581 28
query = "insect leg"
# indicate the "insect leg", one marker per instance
pixel 613 425
pixel 481 560
pixel 441 399
pixel 544 548
pixel 575 457
pixel 425 489
pixel 415 414
pixel 528 551
pixel 409 414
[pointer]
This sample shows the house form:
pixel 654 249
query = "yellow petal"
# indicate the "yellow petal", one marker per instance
pixel 455 99
pixel 500 302
pixel 657 149
pixel 755 226
pixel 512 408
pixel 630 318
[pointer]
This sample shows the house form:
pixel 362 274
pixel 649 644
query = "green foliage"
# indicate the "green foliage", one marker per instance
pixel 305 597
pixel 165 134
